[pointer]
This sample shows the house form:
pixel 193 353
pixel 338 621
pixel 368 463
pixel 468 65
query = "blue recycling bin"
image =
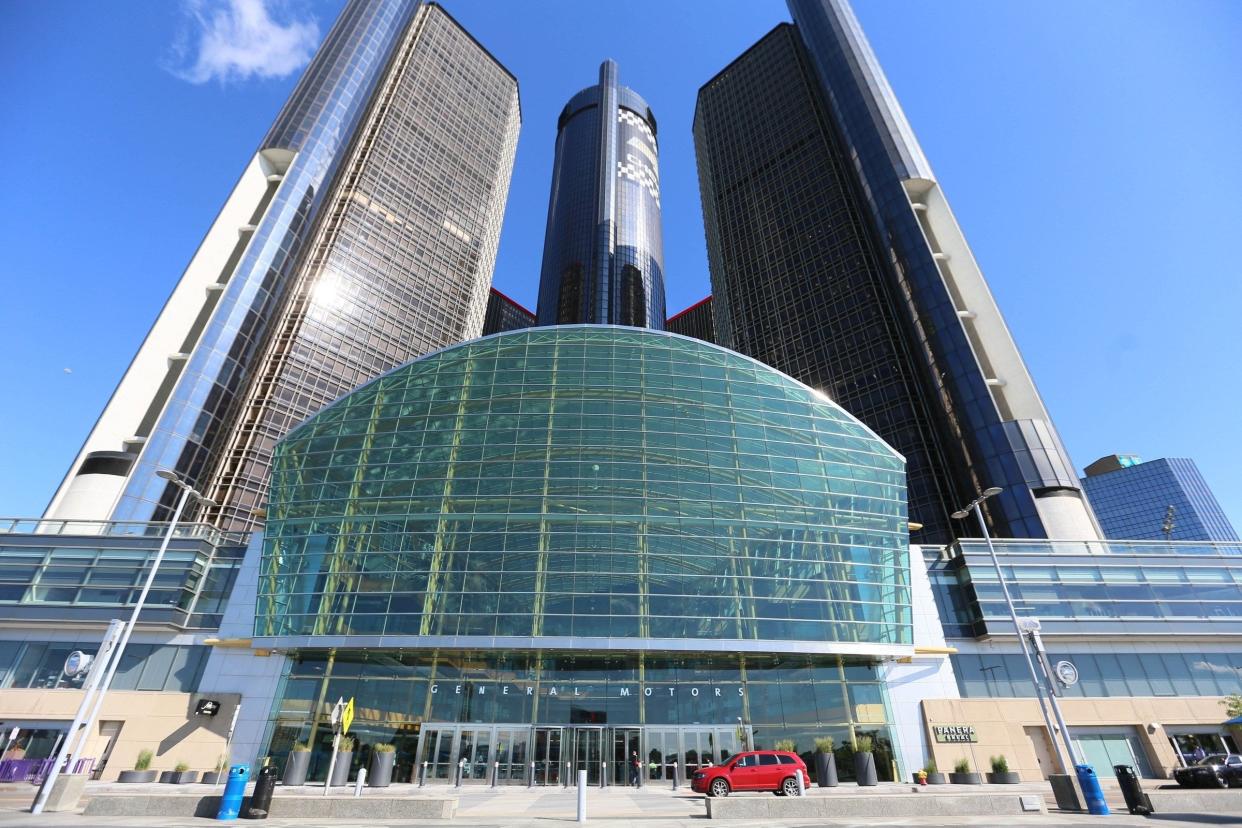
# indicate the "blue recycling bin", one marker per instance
pixel 1091 790
pixel 234 792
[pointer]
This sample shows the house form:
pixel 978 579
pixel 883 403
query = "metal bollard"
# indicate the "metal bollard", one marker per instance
pixel 495 772
pixel 530 782
pixel 582 786
pixel 676 768
pixel 603 774
pixel 461 771
pixel 362 780
pixel 568 768
pixel 422 775
pixel 801 782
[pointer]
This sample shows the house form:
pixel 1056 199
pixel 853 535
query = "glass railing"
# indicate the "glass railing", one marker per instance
pixel 121 528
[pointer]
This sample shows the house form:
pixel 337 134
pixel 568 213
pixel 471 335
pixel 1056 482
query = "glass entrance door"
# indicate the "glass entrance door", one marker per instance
pixel 435 747
pixel 626 747
pixel 511 754
pixel 588 752
pixel 547 755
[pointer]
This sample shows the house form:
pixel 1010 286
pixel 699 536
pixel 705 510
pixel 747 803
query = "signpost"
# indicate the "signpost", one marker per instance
pixel 342 718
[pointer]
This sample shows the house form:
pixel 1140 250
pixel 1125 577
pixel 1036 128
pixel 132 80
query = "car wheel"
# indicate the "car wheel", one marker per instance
pixel 719 787
pixel 790 787
pixel 1220 780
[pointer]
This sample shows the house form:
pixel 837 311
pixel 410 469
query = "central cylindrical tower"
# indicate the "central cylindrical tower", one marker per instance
pixel 603 253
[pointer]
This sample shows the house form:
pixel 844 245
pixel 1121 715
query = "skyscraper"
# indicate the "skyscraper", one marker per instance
pixel 504 314
pixel 362 234
pixel 695 321
pixel 834 257
pixel 1165 499
pixel 603 252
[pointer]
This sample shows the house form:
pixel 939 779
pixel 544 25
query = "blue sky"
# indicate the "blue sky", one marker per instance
pixel 1084 147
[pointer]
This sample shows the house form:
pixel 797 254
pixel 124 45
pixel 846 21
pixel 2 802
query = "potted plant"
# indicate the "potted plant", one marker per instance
pixel 382 756
pixel 1001 775
pixel 297 764
pixel 826 762
pixel 864 762
pixel 141 771
pixel 216 775
pixel 344 761
pixel 787 745
pixel 962 775
pixel 181 775
pixel 934 776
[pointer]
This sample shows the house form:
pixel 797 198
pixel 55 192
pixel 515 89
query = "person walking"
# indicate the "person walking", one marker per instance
pixel 635 769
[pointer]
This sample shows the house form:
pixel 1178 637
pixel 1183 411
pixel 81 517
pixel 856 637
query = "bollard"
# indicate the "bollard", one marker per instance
pixel 530 782
pixel 676 768
pixel 362 780
pixel 422 775
pixel 495 772
pixel 461 771
pixel 234 790
pixel 603 774
pixel 582 786
pixel 567 770
pixel 801 782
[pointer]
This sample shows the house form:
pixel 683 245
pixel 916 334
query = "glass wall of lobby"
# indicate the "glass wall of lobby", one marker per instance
pixel 676 711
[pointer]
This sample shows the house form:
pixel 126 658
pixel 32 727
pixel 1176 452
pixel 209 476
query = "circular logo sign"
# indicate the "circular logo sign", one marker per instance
pixel 77 663
pixel 1067 673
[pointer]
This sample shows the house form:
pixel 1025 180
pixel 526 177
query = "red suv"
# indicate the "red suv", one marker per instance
pixel 756 770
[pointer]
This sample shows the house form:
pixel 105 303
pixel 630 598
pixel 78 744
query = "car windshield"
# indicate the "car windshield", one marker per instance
pixel 1213 759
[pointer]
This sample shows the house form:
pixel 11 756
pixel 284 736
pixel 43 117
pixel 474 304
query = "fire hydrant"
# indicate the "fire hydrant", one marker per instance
pixel 922 777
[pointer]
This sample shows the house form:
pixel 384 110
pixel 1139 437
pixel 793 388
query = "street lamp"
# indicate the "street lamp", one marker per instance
pixel 1020 630
pixel 186 493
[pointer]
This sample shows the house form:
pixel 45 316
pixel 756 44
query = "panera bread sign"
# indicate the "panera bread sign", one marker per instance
pixel 954 733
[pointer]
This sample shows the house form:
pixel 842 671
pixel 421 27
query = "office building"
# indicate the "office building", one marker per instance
pixel 1165 499
pixel 362 233
pixel 578 542
pixel 834 257
pixel 603 251
pixel 504 314
pixel 695 321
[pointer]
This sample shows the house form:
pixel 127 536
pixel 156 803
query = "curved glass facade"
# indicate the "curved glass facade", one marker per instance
pixel 603 255
pixel 583 487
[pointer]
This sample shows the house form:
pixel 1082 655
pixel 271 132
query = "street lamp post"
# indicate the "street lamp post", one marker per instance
pixel 72 751
pixel 962 514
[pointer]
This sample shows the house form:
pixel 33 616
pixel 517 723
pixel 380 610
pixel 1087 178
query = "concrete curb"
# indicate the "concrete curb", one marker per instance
pixel 283 807
pixel 852 807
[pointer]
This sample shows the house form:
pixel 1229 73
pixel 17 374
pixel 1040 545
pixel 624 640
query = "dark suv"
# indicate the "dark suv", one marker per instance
pixel 756 770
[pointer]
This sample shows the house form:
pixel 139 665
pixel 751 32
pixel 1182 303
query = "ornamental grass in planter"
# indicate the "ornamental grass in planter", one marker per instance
pixel 934 776
pixel 344 761
pixel 216 776
pixel 382 757
pixel 826 762
pixel 141 771
pixel 296 765
pixel 1001 775
pixel 864 763
pixel 181 775
pixel 963 775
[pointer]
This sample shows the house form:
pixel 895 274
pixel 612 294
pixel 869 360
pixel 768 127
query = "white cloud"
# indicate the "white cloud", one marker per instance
pixel 240 39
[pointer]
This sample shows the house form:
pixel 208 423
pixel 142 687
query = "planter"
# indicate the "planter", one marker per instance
pixel 937 778
pixel 380 774
pixel 1006 778
pixel 864 770
pixel 166 777
pixel 340 772
pixel 137 776
pixel 213 777
pixel 966 778
pixel 826 769
pixel 181 777
pixel 295 767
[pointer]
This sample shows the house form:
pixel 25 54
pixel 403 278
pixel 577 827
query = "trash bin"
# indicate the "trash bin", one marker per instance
pixel 1091 790
pixel 1137 802
pixel 234 790
pixel 261 799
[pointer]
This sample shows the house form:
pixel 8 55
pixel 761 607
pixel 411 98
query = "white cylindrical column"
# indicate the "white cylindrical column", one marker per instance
pixel 582 786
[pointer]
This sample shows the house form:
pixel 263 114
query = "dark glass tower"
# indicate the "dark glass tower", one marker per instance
pixel 603 253
pixel 835 258
pixel 1165 499
pixel 362 234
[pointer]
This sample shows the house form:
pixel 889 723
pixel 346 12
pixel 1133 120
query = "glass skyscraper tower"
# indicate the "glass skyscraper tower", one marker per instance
pixel 835 258
pixel 362 234
pixel 603 253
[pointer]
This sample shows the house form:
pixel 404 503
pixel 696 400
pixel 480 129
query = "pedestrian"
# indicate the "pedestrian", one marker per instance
pixel 1199 754
pixel 635 769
